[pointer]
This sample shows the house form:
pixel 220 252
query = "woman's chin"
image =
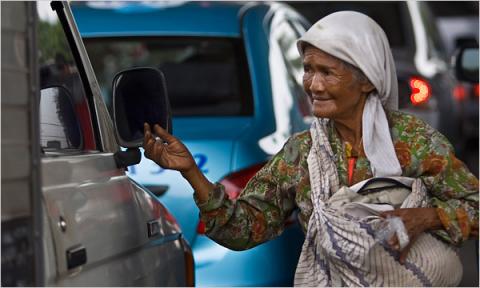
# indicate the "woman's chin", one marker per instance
pixel 323 113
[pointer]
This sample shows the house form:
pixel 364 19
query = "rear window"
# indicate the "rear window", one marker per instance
pixel 205 76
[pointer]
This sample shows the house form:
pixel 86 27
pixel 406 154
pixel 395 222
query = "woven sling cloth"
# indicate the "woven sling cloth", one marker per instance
pixel 341 250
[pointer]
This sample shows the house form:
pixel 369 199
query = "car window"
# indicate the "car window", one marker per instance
pixel 204 76
pixel 64 111
pixel 454 8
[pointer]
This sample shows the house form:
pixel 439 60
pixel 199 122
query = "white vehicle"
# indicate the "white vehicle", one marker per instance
pixel 70 214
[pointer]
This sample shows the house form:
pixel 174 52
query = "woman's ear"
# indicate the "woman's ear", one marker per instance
pixel 367 87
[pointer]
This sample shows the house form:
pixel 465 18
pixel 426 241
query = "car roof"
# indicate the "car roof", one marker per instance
pixel 160 18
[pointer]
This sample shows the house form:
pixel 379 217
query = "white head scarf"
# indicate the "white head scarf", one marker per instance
pixel 356 39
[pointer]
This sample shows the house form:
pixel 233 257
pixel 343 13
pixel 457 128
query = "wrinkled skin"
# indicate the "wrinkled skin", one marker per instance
pixel 416 221
pixel 168 152
pixel 333 89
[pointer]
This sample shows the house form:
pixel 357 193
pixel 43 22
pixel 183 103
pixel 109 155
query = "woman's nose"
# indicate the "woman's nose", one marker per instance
pixel 317 84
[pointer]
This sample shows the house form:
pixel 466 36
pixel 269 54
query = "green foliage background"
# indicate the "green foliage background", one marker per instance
pixel 51 39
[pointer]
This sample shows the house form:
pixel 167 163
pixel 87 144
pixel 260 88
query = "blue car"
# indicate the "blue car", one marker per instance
pixel 234 78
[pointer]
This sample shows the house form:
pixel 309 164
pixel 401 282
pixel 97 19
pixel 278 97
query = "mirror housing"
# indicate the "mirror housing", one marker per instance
pixel 466 64
pixel 139 96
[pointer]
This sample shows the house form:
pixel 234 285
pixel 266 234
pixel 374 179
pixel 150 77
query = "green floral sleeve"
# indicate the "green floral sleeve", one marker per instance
pixel 454 190
pixel 259 213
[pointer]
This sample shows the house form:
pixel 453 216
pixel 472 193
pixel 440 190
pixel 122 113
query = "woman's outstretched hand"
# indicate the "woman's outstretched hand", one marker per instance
pixel 170 153
pixel 166 150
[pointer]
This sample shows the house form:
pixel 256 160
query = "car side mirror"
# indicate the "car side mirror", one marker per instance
pixel 466 64
pixel 139 96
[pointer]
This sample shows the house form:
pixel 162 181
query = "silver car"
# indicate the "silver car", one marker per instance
pixel 70 214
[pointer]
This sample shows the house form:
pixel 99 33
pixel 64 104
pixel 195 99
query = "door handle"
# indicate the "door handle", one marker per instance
pixel 76 256
pixel 158 190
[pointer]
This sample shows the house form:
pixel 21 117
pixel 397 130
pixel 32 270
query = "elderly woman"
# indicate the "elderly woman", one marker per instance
pixel 351 80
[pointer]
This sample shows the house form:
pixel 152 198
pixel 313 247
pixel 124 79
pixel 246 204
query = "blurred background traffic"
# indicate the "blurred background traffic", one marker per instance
pixel 234 79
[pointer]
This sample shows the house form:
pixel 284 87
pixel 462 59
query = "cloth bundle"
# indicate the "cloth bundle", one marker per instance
pixel 341 247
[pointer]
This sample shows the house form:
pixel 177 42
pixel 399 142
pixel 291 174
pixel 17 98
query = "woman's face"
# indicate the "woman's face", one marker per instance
pixel 333 89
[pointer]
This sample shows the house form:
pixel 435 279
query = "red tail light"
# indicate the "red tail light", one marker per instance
pixel 201 227
pixel 459 92
pixel 234 183
pixel 475 90
pixel 421 91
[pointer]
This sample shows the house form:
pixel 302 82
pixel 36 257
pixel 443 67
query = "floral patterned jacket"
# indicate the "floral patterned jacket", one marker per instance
pixel 283 185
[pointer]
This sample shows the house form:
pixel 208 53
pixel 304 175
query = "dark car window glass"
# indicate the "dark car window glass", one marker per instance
pixel 454 8
pixel 58 69
pixel 59 127
pixel 205 76
pixel 387 14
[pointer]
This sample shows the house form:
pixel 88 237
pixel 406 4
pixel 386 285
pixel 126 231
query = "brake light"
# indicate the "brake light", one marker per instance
pixel 234 183
pixel 459 92
pixel 475 90
pixel 421 91
pixel 201 227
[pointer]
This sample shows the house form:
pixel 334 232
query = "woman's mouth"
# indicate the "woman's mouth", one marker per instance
pixel 321 98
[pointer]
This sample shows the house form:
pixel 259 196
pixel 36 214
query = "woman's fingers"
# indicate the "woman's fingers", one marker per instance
pixel 148 141
pixel 146 130
pixel 153 148
pixel 162 133
pixel 404 252
pixel 393 242
pixel 147 134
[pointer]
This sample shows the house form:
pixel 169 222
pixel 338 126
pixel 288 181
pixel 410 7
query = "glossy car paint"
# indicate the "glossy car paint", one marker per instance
pixel 219 145
pixel 107 214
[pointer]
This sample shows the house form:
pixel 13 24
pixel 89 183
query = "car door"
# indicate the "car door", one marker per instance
pixel 101 228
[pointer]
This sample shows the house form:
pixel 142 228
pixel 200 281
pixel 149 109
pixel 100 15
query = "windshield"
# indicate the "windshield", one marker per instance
pixel 205 76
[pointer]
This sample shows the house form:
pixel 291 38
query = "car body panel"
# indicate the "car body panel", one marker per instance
pixel 107 215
